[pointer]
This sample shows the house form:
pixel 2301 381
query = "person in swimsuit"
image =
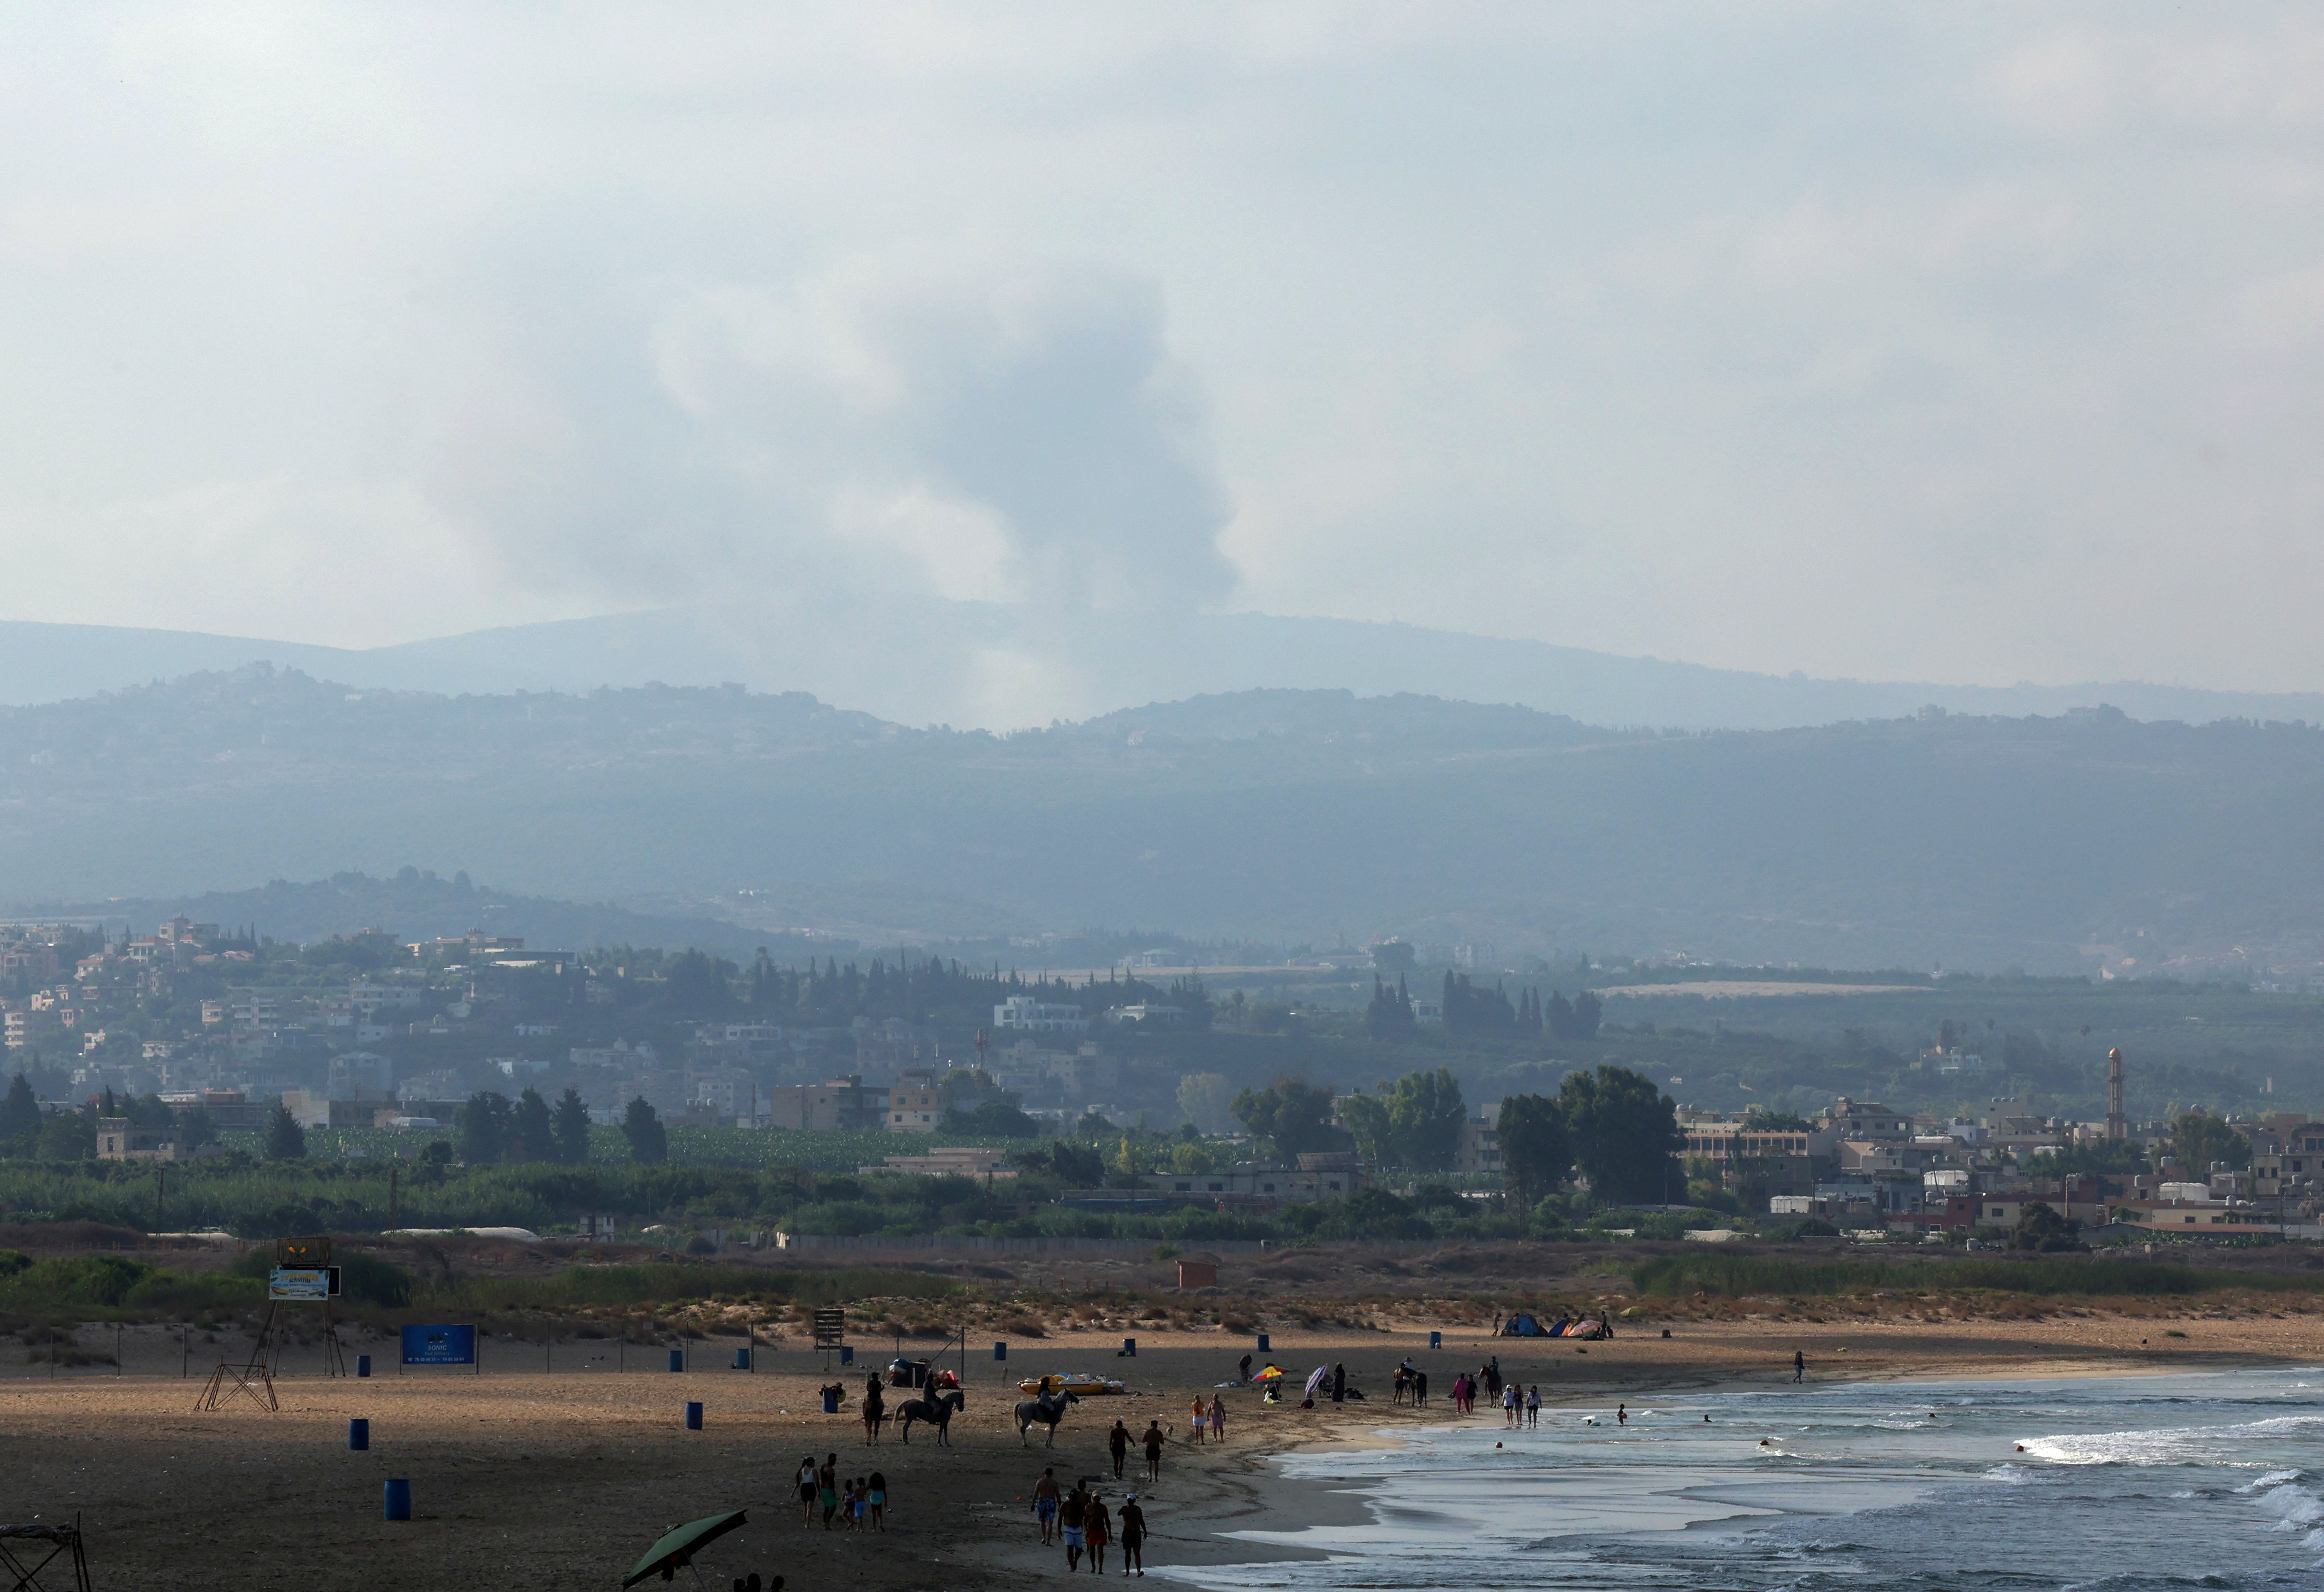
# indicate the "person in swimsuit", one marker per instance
pixel 1218 1417
pixel 847 1502
pixel 1153 1440
pixel 1243 1371
pixel 1117 1444
pixel 1097 1529
pixel 1621 1414
pixel 879 1498
pixel 1508 1403
pixel 826 1487
pixel 1132 1522
pixel 1202 1421
pixel 1044 1503
pixel 807 1490
pixel 1533 1406
pixel 1070 1517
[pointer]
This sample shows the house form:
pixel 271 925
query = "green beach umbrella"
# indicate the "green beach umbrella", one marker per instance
pixel 679 1545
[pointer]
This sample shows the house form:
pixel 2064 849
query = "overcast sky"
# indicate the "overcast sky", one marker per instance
pixel 1970 343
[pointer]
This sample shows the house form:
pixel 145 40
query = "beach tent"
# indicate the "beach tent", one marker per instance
pixel 1524 1326
pixel 1593 1331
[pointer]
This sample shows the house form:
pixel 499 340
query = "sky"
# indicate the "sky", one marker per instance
pixel 1973 342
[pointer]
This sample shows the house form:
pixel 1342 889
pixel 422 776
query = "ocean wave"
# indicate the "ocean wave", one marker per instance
pixel 2270 1479
pixel 2163 1445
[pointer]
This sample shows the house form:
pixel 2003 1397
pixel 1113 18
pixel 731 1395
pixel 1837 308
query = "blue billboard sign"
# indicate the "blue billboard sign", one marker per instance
pixel 440 1346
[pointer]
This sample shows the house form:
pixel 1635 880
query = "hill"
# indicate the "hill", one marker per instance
pixel 923 662
pixel 2047 842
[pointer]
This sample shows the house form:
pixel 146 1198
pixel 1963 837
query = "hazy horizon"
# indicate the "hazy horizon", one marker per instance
pixel 1872 344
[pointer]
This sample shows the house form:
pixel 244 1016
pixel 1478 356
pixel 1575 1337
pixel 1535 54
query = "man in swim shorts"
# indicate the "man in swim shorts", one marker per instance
pixel 1070 1518
pixel 1044 1503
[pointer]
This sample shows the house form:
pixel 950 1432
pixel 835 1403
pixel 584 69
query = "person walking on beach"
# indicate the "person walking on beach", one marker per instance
pixel 1153 1440
pixel 1533 1406
pixel 878 1494
pixel 826 1487
pixel 1070 1519
pixel 1201 1419
pixel 1044 1504
pixel 1509 1404
pixel 1132 1522
pixel 1117 1443
pixel 806 1480
pixel 1219 1417
pixel 1465 1395
pixel 1242 1372
pixel 1799 1366
pixel 1097 1527
pixel 1420 1387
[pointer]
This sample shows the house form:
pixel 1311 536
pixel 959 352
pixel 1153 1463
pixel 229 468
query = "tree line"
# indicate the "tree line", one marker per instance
pixel 1470 1007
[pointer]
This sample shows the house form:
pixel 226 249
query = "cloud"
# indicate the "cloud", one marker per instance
pixel 1729 334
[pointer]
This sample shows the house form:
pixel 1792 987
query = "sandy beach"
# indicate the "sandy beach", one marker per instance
pixel 559 1479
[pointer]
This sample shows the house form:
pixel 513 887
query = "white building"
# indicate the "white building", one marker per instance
pixel 1024 1015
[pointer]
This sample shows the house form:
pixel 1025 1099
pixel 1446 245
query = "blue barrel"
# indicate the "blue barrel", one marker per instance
pixel 359 1435
pixel 693 1417
pixel 395 1503
pixel 678 1359
pixel 363 1365
pixel 741 1359
pixel 999 1351
pixel 830 1401
pixel 1437 1340
pixel 1262 1343
pixel 1129 1348
pixel 846 1354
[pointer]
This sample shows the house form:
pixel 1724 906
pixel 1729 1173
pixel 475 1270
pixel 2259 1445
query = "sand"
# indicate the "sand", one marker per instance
pixel 523 1477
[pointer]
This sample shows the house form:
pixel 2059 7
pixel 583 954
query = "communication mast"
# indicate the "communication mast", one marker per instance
pixel 2116 1127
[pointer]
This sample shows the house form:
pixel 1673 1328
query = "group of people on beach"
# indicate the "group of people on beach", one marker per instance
pixel 1077 1518
pixel 860 1501
pixel 1210 1419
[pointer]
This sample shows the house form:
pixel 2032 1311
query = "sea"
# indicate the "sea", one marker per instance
pixel 2104 1484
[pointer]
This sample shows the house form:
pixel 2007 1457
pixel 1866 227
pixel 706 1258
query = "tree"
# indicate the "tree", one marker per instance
pixel 1208 1101
pixel 1536 1150
pixel 1365 1117
pixel 697 983
pixel 1427 1111
pixel 1391 1011
pixel 2199 1138
pixel 285 1140
pixel 530 1132
pixel 641 1126
pixel 1577 1018
pixel 2040 1227
pixel 1625 1133
pixel 1470 1009
pixel 486 1135
pixel 1760 1120
pixel 197 1128
pixel 1293 1113
pixel 20 1113
pixel 999 1118
pixel 568 1128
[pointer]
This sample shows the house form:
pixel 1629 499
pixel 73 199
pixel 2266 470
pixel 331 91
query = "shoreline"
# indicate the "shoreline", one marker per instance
pixel 546 1479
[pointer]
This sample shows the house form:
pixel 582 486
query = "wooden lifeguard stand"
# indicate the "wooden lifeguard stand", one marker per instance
pixel 302 1273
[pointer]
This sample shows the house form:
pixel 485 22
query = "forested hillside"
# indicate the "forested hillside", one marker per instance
pixel 1288 815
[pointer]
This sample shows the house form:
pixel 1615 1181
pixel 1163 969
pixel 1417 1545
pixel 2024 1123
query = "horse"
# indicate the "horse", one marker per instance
pixel 934 1408
pixel 1048 1411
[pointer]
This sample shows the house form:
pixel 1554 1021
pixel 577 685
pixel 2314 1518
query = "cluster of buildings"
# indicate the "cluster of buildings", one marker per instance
pixel 1861 1164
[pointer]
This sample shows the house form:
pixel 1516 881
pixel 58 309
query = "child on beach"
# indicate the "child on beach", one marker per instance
pixel 878 1496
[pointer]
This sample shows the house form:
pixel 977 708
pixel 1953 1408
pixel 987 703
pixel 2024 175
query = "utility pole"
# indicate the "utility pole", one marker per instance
pixel 161 1185
pixel 2116 1127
